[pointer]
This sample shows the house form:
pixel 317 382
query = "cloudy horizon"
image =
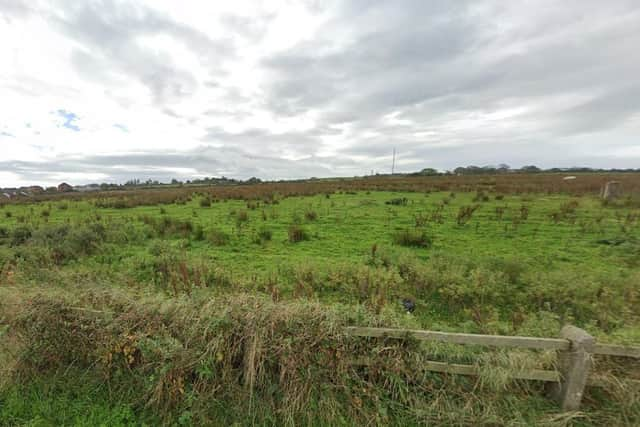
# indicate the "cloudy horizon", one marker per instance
pixel 108 91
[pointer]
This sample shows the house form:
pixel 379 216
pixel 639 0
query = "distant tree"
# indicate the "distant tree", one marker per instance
pixel 428 172
pixel 530 169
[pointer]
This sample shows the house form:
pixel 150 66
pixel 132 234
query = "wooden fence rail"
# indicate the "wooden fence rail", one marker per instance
pixel 575 348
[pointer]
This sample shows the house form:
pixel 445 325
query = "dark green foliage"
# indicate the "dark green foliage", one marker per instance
pixel 481 196
pixel 297 233
pixel 263 235
pixel 311 215
pixel 465 213
pixel 165 226
pixel 218 237
pixel 420 219
pixel 198 232
pixel 65 243
pixel 399 201
pixel 20 235
pixel 415 238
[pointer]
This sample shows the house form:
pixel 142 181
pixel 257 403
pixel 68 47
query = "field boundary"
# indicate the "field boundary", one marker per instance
pixel 575 349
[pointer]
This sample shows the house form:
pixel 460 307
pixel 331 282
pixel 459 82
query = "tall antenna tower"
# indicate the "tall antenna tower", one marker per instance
pixel 393 162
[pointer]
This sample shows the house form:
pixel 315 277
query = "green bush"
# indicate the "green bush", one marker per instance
pixel 198 232
pixel 297 233
pixel 400 201
pixel 218 237
pixel 415 238
pixel 20 235
pixel 263 235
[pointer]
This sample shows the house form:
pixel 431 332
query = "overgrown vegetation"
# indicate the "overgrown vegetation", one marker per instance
pixel 231 312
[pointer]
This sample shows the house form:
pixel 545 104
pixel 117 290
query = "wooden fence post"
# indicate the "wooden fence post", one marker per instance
pixel 574 365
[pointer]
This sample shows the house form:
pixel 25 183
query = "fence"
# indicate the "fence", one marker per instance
pixel 575 348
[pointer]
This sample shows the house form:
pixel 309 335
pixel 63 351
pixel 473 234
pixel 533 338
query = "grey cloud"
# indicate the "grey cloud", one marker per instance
pixel 267 143
pixel 10 9
pixel 605 111
pixel 109 33
pixel 202 161
pixel 450 55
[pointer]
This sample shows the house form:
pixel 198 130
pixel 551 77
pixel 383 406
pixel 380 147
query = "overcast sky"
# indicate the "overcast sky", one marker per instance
pixel 113 90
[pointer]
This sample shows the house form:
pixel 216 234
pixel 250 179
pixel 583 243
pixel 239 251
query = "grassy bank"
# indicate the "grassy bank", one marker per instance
pixel 245 359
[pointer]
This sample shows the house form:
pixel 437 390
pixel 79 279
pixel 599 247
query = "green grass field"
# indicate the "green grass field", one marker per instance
pixel 471 261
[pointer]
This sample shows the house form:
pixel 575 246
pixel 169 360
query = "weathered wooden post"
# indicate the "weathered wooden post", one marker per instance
pixel 575 365
pixel 611 190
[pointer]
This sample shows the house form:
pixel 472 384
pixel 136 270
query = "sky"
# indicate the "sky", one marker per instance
pixel 107 91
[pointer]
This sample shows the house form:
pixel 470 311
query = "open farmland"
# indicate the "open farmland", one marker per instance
pixel 201 305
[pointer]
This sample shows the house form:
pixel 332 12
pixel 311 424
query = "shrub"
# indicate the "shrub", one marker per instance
pixel 205 202
pixel 242 216
pixel 198 232
pixel 168 225
pixel 263 235
pixel 481 197
pixel 420 219
pixel 412 238
pixel 465 213
pixel 20 235
pixel 64 242
pixel 400 201
pixel 218 237
pixel 311 215
pixel 8 214
pixel 119 204
pixel 297 233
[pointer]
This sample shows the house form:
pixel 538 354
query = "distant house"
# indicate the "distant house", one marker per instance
pixel 64 188
pixel 7 195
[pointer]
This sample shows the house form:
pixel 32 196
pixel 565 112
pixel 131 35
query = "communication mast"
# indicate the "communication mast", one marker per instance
pixel 393 162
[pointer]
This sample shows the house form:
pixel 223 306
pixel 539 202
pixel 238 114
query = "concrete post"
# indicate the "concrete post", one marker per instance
pixel 574 365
